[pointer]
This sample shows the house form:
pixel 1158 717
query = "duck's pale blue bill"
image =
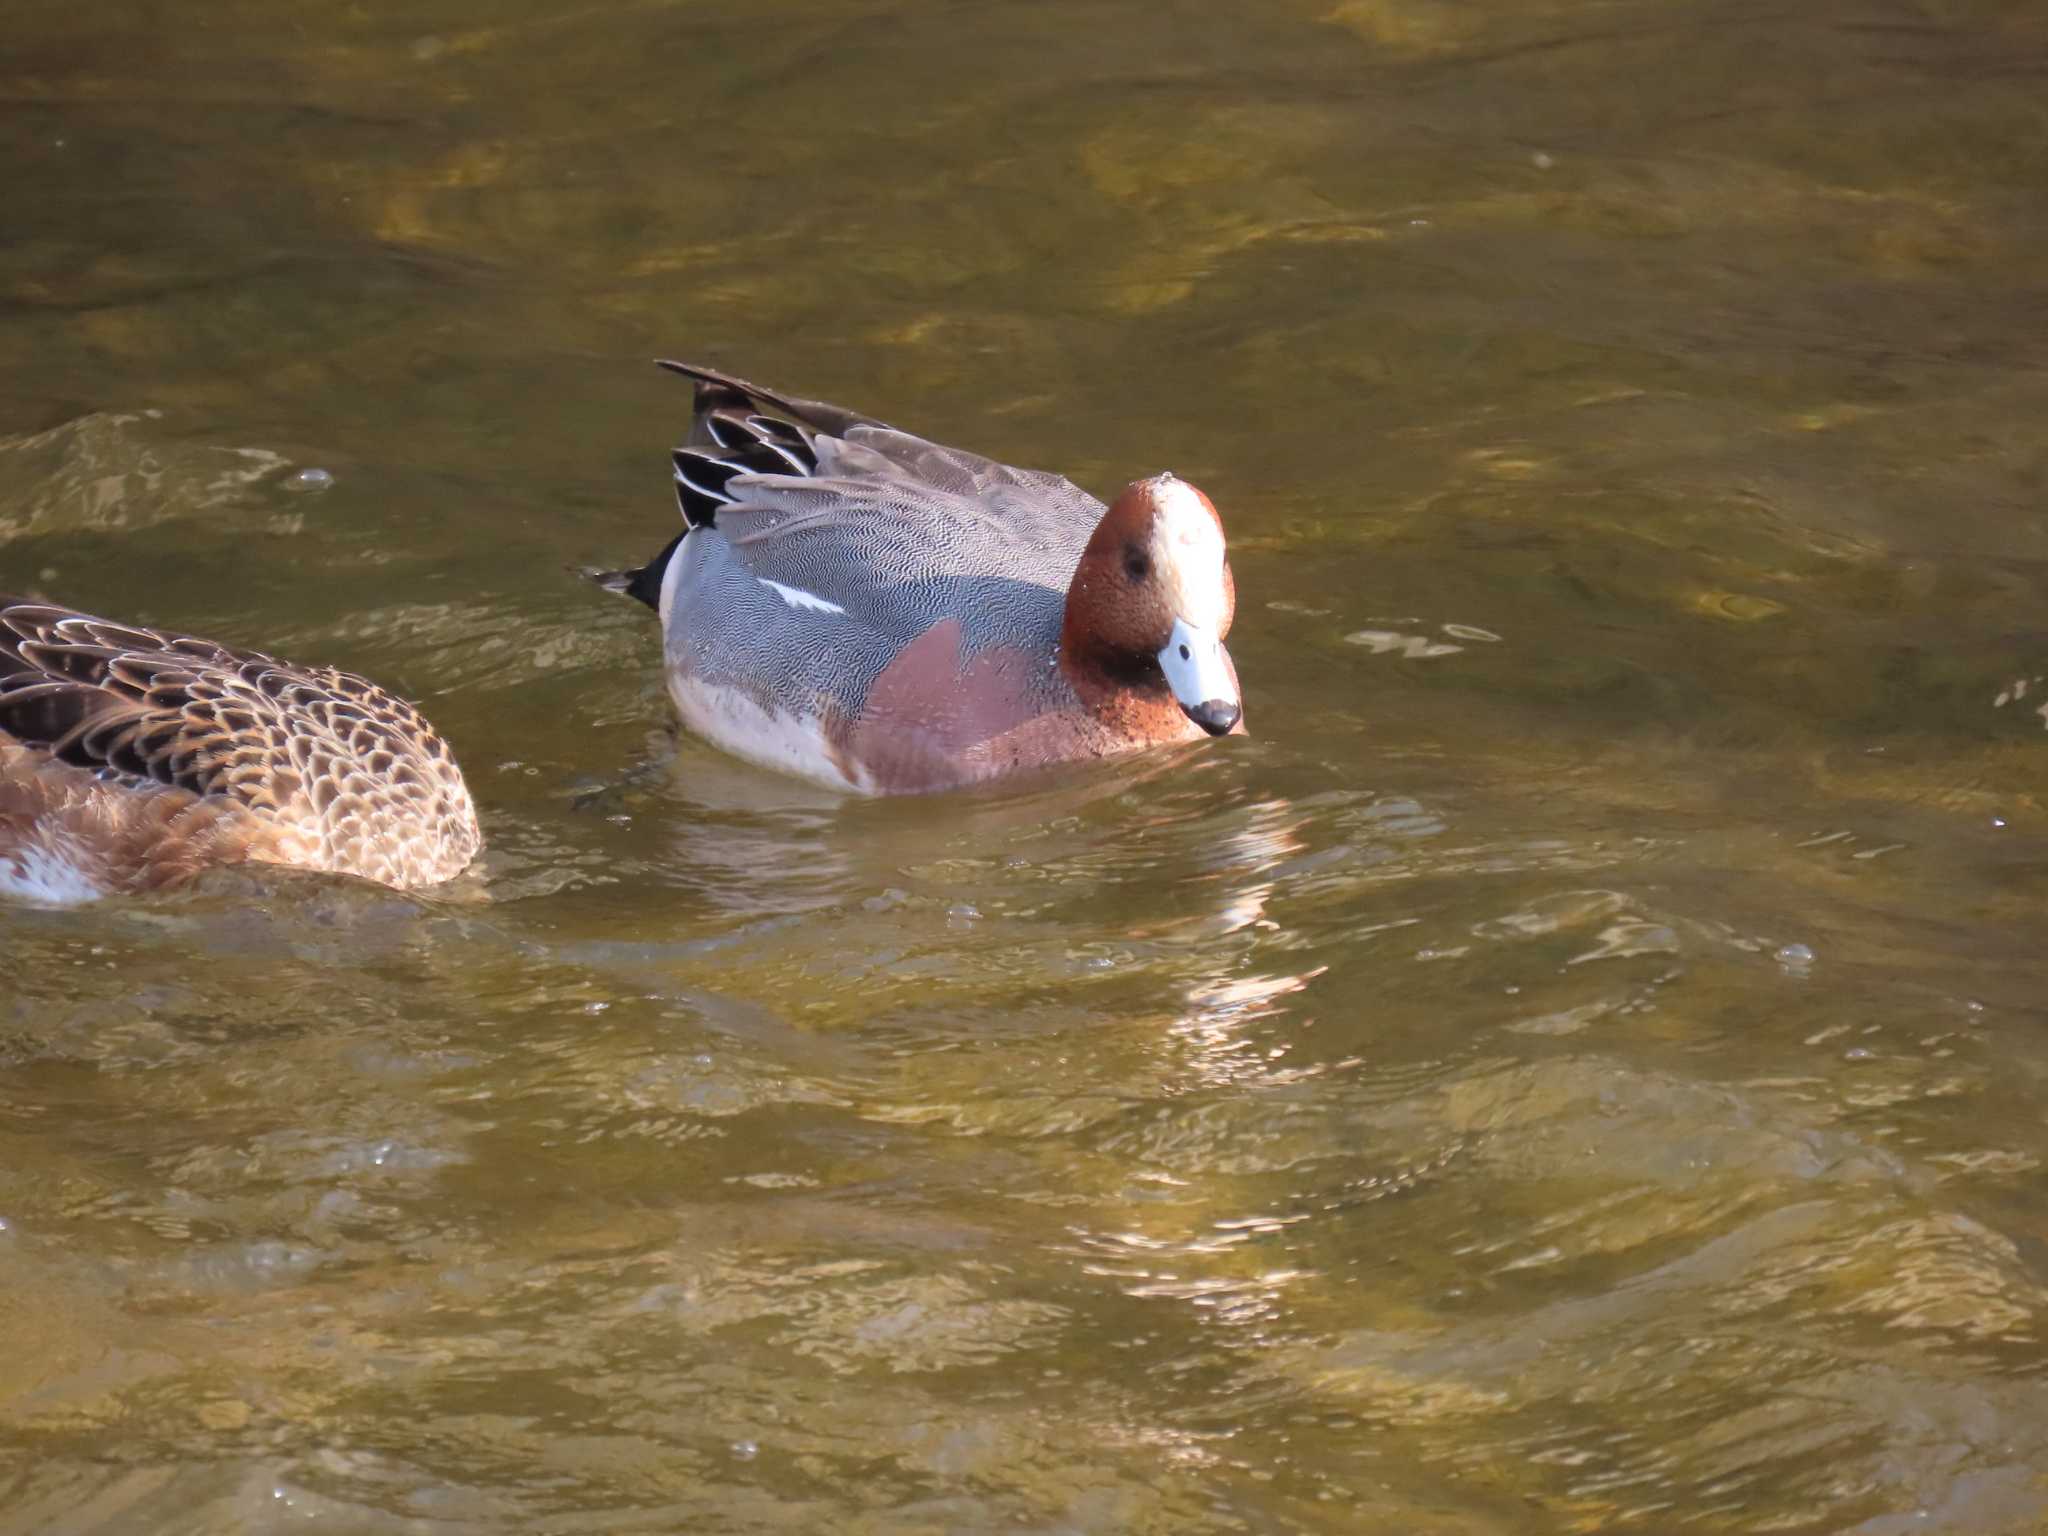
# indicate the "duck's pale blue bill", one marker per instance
pixel 1199 675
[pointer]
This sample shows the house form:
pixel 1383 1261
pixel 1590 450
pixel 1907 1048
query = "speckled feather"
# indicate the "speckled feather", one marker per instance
pixel 139 757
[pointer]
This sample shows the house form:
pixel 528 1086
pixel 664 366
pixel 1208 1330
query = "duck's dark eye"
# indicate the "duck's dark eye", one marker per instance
pixel 1137 564
pixel 1183 653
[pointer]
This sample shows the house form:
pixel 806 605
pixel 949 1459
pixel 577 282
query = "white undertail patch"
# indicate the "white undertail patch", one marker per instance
pixel 797 597
pixel 47 876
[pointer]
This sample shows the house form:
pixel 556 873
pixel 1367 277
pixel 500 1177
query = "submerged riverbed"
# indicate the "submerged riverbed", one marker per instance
pixel 1578 1066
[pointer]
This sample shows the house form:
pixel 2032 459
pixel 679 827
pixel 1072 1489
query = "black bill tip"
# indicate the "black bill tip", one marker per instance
pixel 1216 716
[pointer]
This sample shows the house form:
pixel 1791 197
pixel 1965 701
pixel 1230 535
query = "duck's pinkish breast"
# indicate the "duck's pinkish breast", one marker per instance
pixel 934 720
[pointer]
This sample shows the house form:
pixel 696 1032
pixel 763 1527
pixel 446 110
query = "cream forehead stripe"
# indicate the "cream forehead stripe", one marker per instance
pixel 1194 551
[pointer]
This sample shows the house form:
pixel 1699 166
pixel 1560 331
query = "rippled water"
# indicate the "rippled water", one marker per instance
pixel 1577 1067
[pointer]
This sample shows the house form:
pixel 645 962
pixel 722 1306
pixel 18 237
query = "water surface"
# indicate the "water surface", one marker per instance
pixel 1577 1067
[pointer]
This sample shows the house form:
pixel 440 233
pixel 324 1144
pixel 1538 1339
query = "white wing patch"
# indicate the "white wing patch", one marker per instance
pixel 797 597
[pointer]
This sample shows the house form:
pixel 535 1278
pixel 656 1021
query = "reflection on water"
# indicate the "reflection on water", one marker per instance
pixel 1577 1068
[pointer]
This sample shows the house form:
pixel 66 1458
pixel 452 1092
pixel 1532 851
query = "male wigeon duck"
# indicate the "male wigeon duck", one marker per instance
pixel 884 614
pixel 134 759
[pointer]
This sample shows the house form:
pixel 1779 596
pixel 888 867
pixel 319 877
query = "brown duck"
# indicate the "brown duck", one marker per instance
pixel 133 759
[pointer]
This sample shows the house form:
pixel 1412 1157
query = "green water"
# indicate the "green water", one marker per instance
pixel 1578 1067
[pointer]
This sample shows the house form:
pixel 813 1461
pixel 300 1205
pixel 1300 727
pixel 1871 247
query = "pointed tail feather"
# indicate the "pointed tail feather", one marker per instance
pixel 716 389
pixel 643 583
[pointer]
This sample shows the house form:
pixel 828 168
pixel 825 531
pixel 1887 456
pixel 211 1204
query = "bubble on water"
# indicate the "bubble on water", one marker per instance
pixel 745 1450
pixel 1796 958
pixel 1998 821
pixel 1541 161
pixel 311 479
pixel 1859 1053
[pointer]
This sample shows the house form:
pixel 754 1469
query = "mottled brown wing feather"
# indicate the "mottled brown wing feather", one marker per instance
pixel 352 776
pixel 124 700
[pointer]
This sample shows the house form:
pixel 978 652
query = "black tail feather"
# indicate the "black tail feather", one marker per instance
pixel 737 429
pixel 717 391
pixel 643 583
